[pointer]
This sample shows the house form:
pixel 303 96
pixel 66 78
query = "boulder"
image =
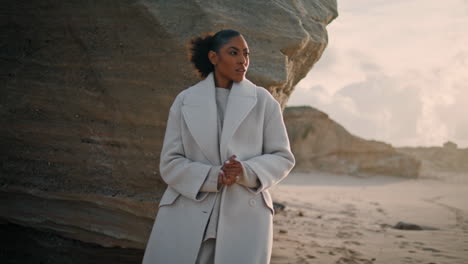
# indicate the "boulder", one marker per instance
pixel 410 226
pixel 86 88
pixel 407 226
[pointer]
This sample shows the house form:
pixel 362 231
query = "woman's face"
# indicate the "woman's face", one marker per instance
pixel 231 62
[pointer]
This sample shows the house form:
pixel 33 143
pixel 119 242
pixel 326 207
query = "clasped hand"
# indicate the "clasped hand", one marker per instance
pixel 230 172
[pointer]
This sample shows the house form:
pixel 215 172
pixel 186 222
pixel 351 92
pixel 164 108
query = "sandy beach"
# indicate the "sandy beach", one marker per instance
pixel 343 219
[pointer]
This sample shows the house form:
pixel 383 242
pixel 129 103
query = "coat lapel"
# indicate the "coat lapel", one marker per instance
pixel 241 100
pixel 201 115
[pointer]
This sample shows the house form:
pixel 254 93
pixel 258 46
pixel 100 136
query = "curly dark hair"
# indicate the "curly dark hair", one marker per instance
pixel 199 47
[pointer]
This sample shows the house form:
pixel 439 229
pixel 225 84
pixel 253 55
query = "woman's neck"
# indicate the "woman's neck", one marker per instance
pixel 227 84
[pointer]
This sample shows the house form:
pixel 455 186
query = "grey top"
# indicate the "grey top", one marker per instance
pixel 222 95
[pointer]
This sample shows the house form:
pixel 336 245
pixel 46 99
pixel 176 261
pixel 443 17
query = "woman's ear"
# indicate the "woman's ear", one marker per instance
pixel 213 57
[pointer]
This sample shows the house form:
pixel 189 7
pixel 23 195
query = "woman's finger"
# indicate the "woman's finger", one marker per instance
pixel 233 166
pixel 220 179
pixel 233 170
pixel 232 159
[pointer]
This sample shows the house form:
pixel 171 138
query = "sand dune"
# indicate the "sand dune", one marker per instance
pixel 342 219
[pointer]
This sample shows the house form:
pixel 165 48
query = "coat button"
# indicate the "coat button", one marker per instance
pixel 252 202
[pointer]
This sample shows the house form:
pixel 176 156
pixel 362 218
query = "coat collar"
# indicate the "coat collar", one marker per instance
pixel 200 114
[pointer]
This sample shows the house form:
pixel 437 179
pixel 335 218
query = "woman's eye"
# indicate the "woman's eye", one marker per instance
pixel 233 53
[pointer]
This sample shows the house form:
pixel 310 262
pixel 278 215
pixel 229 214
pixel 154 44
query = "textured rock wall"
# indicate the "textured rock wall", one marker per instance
pixel 286 38
pixel 319 143
pixel 85 92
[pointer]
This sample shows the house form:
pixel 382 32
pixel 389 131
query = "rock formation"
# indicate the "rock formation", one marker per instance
pixel 85 92
pixel 450 145
pixel 448 162
pixel 319 143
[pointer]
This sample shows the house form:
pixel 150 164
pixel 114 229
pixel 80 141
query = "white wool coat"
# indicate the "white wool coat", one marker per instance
pixel 254 131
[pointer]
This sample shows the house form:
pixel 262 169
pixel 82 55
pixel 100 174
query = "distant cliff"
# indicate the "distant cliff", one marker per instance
pixel 319 143
pixel 85 92
pixel 448 161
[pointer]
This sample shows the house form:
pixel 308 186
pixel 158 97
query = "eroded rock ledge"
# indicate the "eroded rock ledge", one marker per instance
pixel 319 143
pixel 86 88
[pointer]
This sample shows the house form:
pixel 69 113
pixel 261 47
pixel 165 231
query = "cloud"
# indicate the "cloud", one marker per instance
pixel 450 107
pixel 395 71
pixel 375 108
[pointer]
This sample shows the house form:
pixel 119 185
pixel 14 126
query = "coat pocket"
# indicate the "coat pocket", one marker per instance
pixel 169 197
pixel 268 201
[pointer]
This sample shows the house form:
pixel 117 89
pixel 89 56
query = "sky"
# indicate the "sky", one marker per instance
pixel 394 71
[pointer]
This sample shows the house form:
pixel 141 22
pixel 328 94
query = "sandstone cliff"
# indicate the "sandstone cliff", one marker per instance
pixel 85 92
pixel 448 162
pixel 319 143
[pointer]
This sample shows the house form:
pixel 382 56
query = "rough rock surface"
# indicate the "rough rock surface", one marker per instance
pixel 85 92
pixel 319 143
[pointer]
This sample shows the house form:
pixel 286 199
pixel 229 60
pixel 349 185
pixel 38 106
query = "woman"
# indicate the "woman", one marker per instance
pixel 225 145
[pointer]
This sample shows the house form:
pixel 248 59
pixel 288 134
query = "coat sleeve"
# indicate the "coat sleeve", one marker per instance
pixel 190 178
pixel 249 178
pixel 277 160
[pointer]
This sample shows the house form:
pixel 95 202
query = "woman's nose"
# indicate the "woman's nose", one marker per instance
pixel 243 59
